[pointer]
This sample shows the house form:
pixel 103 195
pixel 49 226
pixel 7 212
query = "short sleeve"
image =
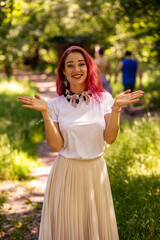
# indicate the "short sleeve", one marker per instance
pixel 108 103
pixel 53 110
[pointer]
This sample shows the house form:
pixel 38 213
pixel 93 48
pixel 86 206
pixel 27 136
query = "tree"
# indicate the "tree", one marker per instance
pixel 27 26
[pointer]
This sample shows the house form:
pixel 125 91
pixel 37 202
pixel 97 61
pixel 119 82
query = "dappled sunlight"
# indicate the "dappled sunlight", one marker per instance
pixel 15 87
pixel 148 168
pixel 21 196
pixel 145 78
pixel 16 164
pixel 134 166
pixel 23 204
pixel 24 225
pixel 12 86
pixel 18 131
pixel 136 149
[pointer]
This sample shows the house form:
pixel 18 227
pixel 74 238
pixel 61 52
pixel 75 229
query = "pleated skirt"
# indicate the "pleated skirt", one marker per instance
pixel 78 202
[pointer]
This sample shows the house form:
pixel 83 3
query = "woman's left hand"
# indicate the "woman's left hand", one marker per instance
pixel 128 97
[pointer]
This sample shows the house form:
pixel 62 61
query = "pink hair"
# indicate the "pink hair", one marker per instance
pixel 93 81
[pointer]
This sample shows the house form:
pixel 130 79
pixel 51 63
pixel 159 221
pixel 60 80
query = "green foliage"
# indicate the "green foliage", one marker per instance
pixel 2 219
pixel 18 132
pixel 3 199
pixel 133 165
pixel 136 203
pixel 143 30
pixel 137 146
pixel 27 27
pixel 151 88
pixel 20 226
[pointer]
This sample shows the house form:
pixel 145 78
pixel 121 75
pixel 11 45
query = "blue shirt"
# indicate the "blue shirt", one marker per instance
pixel 129 70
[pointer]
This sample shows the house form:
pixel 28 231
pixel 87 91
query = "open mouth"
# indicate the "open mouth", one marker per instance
pixel 77 76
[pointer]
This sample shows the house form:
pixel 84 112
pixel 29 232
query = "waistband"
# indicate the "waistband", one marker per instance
pixel 81 159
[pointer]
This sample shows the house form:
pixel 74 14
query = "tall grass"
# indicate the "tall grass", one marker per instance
pixel 134 165
pixel 18 132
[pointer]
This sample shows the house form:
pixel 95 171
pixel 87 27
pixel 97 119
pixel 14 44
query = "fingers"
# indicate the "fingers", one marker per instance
pixel 133 101
pixel 26 100
pixel 136 94
pixel 27 106
pixel 25 97
pixel 36 103
pixel 127 91
pixel 38 97
pixel 29 98
pixel 138 91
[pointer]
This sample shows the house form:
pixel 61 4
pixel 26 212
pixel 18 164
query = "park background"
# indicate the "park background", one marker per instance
pixel 32 35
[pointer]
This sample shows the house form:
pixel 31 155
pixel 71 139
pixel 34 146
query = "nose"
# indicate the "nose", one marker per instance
pixel 76 68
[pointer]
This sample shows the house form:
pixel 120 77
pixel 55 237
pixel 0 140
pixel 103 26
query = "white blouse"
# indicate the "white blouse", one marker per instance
pixel 82 127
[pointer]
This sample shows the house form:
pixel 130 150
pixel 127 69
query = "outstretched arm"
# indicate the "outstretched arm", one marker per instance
pixel 53 134
pixel 113 119
pixel 119 68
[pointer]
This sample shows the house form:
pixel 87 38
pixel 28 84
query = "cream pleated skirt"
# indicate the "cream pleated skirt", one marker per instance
pixel 78 202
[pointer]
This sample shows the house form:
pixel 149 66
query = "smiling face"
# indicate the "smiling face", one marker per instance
pixel 75 70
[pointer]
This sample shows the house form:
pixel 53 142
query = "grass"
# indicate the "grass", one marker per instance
pixel 3 199
pixel 19 226
pixel 18 141
pixel 18 131
pixel 134 166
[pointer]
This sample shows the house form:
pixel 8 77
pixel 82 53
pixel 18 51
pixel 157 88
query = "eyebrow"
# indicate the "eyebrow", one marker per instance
pixel 78 61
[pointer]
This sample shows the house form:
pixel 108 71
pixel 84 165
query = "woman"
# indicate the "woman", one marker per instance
pixel 78 202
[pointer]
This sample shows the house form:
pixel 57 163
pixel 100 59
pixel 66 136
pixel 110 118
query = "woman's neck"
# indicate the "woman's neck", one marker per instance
pixel 77 90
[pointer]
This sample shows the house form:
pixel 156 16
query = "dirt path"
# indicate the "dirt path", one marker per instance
pixel 22 211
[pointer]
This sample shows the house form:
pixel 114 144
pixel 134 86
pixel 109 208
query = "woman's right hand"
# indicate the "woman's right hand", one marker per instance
pixel 36 103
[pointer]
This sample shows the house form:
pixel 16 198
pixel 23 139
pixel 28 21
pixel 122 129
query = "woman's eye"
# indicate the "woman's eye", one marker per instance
pixel 69 65
pixel 72 66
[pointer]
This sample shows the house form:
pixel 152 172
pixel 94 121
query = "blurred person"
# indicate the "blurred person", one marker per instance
pixel 104 68
pixel 130 68
pixel 78 201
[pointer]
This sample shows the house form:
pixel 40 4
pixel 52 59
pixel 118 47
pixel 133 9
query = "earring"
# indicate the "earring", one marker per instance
pixel 66 83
